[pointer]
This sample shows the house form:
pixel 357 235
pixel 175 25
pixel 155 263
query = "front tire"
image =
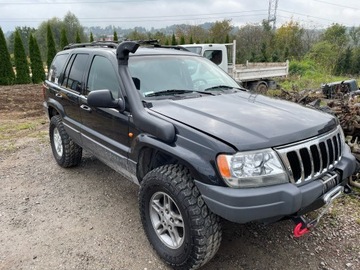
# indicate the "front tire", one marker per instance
pixel 66 152
pixel 176 220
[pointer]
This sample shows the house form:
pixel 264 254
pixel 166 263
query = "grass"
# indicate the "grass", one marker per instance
pixel 13 131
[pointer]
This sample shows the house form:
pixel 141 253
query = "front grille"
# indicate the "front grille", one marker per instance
pixel 309 159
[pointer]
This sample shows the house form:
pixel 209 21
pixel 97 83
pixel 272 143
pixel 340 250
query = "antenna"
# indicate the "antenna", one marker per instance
pixel 273 4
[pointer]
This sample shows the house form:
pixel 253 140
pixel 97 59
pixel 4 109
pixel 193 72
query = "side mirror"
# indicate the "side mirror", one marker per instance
pixel 104 98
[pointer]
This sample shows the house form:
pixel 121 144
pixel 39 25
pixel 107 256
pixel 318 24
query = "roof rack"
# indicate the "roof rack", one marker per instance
pixel 110 44
pixel 114 45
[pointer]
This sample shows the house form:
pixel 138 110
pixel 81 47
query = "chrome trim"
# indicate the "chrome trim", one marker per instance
pixel 332 137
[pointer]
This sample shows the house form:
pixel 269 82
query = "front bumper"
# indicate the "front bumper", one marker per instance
pixel 245 205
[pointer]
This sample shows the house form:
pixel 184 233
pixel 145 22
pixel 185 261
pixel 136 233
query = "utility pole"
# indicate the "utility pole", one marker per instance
pixel 273 4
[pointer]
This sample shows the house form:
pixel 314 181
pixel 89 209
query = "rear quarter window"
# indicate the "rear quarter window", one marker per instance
pixel 56 67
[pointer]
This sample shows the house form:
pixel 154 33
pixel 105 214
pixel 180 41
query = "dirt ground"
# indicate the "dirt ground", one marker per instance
pixel 87 217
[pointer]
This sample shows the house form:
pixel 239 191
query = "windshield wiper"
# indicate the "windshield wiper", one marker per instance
pixel 168 92
pixel 175 91
pixel 221 87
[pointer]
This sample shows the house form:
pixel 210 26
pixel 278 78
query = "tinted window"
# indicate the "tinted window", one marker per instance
pixel 103 76
pixel 74 79
pixel 56 67
pixel 154 74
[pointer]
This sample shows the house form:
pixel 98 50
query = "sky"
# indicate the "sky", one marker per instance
pixel 162 13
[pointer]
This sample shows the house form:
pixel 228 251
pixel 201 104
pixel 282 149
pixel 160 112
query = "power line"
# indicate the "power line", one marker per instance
pixel 337 5
pixel 145 18
pixel 75 2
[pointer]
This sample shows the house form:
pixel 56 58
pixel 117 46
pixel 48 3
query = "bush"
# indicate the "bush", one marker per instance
pixel 302 68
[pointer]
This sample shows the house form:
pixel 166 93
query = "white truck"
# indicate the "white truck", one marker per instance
pixel 254 76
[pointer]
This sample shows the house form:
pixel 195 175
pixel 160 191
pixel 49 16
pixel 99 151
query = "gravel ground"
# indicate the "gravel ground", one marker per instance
pixel 87 217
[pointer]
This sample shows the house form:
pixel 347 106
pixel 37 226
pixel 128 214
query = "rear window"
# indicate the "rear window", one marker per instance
pixel 56 67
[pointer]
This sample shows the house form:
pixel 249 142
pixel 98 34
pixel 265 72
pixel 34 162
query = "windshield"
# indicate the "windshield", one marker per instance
pixel 152 74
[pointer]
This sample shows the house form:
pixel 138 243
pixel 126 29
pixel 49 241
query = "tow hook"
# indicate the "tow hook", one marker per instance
pixel 303 226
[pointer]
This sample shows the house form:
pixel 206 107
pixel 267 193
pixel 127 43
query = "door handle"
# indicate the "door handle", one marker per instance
pixel 85 108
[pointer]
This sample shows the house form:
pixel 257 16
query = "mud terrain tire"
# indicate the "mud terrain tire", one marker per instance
pixel 66 152
pixel 177 222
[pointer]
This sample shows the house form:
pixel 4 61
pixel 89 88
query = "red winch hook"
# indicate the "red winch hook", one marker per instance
pixel 298 231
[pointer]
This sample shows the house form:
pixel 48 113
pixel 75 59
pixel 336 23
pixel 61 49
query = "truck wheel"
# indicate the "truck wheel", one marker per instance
pixel 66 152
pixel 177 222
pixel 261 88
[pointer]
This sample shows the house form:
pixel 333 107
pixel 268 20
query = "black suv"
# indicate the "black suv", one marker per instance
pixel 199 146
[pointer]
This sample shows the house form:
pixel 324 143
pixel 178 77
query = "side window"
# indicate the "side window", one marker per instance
pixel 74 72
pixel 214 55
pixel 56 67
pixel 102 75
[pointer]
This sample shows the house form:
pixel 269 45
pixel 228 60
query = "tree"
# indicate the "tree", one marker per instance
pixel 63 38
pixel 78 39
pixel 37 69
pixel 182 40
pixel 115 36
pixel 91 37
pixel 248 43
pixel 227 39
pixel 354 34
pixel 136 35
pixel 336 35
pixel 355 61
pixel 173 40
pixel 219 31
pixel 71 25
pixel 73 28
pixel 289 39
pixel 24 34
pixel 324 55
pixel 7 75
pixel 264 53
pixel 51 49
pixel 191 40
pixel 343 64
pixel 21 63
pixel 41 35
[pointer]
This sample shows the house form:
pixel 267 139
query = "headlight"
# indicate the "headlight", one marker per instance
pixel 252 169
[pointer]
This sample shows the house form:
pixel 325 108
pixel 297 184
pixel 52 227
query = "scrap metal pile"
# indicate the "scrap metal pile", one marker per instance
pixel 345 105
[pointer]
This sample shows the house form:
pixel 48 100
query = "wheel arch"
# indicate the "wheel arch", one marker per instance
pixel 55 108
pixel 151 153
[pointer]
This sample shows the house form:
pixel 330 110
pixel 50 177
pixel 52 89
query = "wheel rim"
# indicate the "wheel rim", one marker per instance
pixel 167 220
pixel 58 142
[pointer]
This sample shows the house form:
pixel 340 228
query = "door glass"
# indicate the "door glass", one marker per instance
pixel 103 76
pixel 73 79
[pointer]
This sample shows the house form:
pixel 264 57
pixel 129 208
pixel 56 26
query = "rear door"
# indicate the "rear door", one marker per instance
pixel 105 130
pixel 67 87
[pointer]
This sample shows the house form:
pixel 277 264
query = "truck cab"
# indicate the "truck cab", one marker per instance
pixel 215 52
pixel 257 77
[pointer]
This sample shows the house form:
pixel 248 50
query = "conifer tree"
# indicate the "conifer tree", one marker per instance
pixel 51 49
pixel 182 40
pixel 21 63
pixel 191 40
pixel 173 40
pixel 7 75
pixel 91 37
pixel 227 39
pixel 78 39
pixel 63 38
pixel 115 36
pixel 37 69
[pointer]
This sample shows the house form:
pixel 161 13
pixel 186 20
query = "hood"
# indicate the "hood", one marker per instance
pixel 247 121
